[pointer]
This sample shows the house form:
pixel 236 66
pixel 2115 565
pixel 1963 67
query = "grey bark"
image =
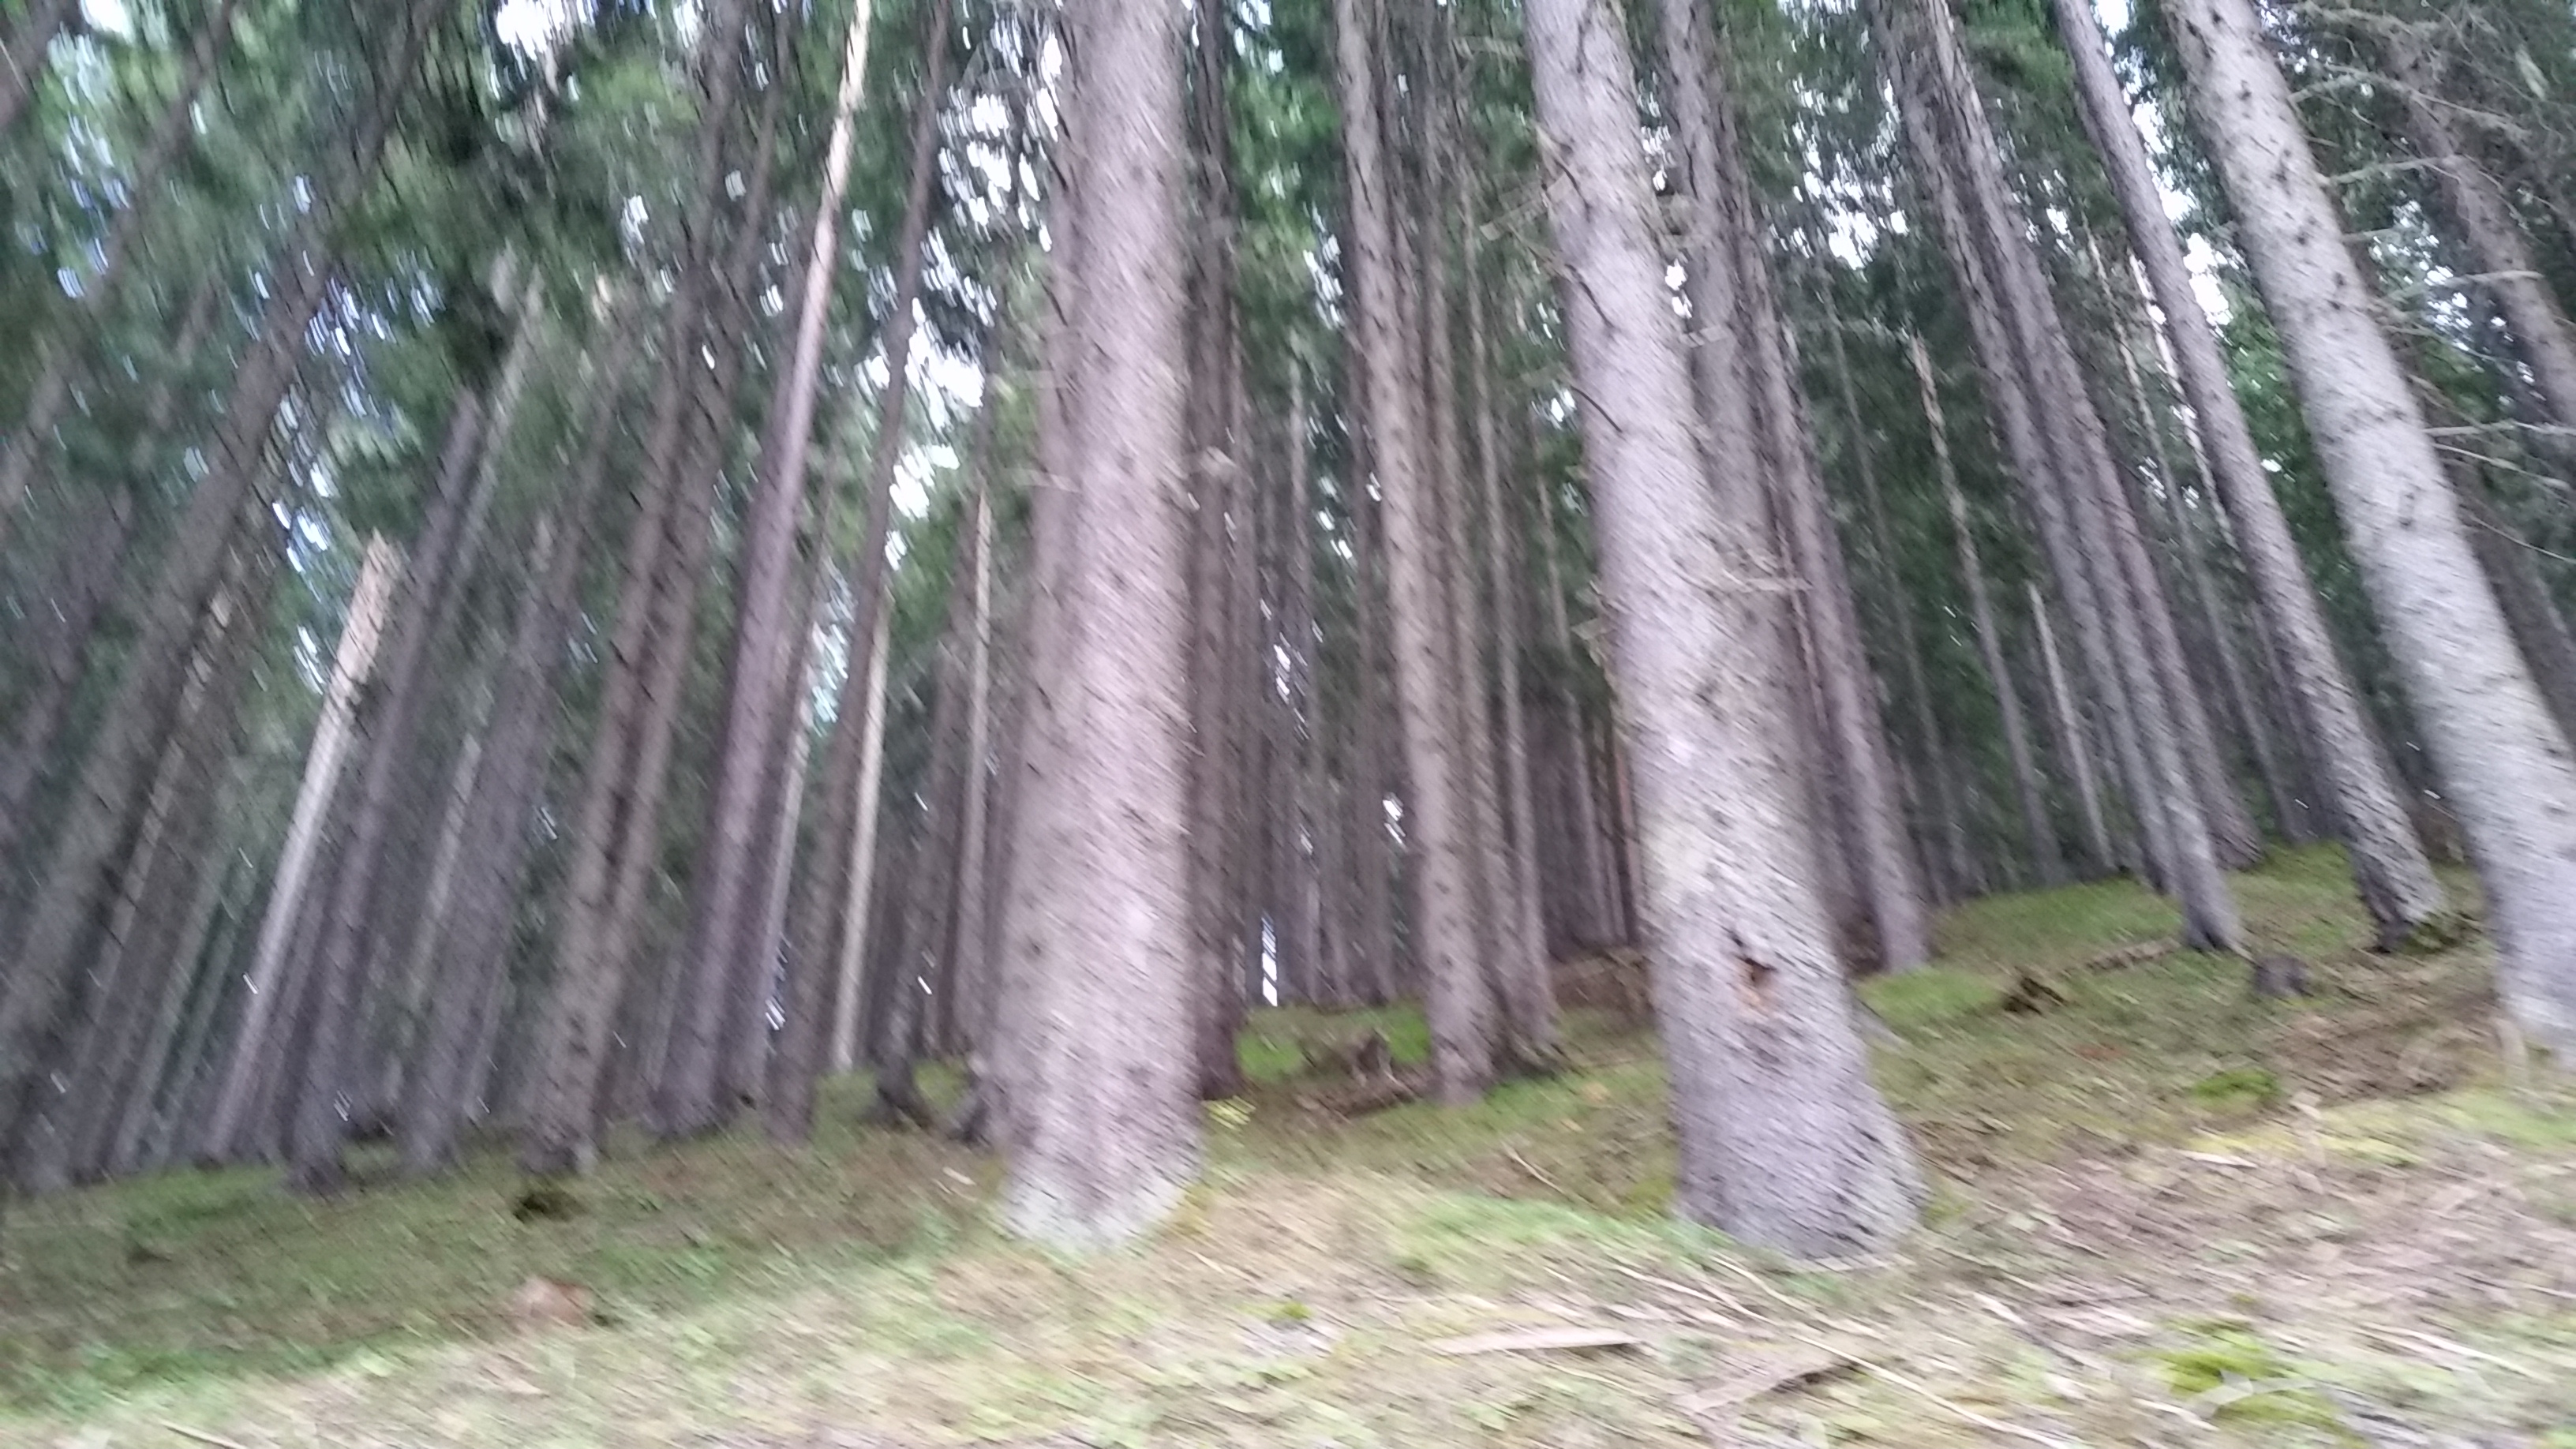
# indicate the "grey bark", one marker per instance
pixel 1784 1141
pixel 1105 1134
pixel 2396 881
pixel 2507 765
pixel 1457 999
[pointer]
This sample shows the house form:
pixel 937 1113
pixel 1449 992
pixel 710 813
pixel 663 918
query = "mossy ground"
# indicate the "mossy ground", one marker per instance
pixel 2165 1214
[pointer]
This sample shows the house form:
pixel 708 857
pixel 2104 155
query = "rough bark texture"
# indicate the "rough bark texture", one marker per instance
pixel 1456 996
pixel 2506 763
pixel 1784 1141
pixel 1106 1137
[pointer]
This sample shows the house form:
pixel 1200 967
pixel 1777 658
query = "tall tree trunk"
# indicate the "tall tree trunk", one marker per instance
pixel 2506 763
pixel 1515 954
pixel 2136 631
pixel 1596 882
pixel 818 912
pixel 434 588
pixel 1863 783
pixel 2039 831
pixel 1908 647
pixel 1534 1016
pixel 97 1041
pixel 361 629
pixel 114 774
pixel 722 969
pixel 971 937
pixel 1784 1141
pixel 2396 882
pixel 1372 952
pixel 857 907
pixel 1105 1136
pixel 1458 1002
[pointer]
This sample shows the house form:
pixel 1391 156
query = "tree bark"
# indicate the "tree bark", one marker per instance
pixel 1458 1002
pixel 1531 1003
pixel 1784 1142
pixel 1106 1135
pixel 2395 880
pixel 722 969
pixel 2507 764
pixel 361 629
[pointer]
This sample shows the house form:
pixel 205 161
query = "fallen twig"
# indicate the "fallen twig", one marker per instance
pixel 199 1435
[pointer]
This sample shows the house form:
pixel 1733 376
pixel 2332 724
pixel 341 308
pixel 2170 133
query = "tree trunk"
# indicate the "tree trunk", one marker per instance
pixel 2396 882
pixel 857 907
pixel 723 973
pixel 1105 1137
pixel 1784 1142
pixel 2506 762
pixel 1533 1006
pixel 2038 829
pixel 1458 1002
pixel 2136 630
pixel 434 588
pixel 95 1046
pixel 361 629
pixel 819 915
pixel 112 778
pixel 1372 952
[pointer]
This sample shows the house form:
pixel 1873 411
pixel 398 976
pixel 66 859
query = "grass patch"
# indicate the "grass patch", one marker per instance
pixel 757 1295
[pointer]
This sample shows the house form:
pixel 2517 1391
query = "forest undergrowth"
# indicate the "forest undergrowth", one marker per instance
pixel 2165 1213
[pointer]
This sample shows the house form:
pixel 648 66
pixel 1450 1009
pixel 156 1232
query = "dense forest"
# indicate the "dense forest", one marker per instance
pixel 574 572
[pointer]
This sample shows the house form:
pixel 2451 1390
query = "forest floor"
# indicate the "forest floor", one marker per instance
pixel 2166 1214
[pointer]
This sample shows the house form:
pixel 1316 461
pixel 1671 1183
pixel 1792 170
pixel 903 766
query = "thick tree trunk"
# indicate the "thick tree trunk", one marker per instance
pixel 1458 1002
pixel 1372 950
pixel 1784 1142
pixel 2507 764
pixel 2039 831
pixel 2396 882
pixel 114 774
pixel 1105 1130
